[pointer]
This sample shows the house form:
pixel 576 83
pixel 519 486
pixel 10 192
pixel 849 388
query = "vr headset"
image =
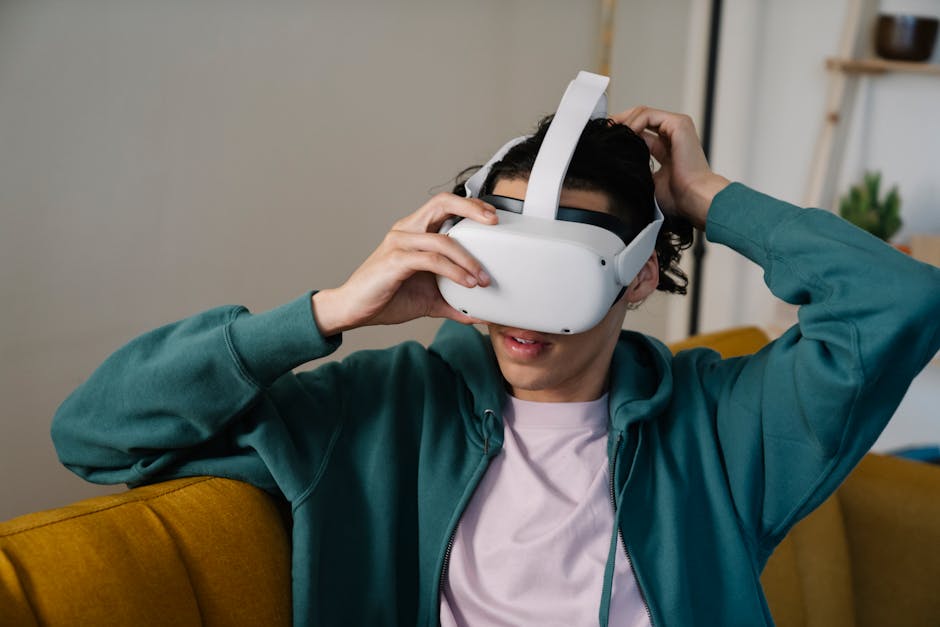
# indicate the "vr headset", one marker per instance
pixel 553 269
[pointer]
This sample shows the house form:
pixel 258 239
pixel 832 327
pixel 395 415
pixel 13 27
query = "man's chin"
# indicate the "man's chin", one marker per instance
pixel 527 378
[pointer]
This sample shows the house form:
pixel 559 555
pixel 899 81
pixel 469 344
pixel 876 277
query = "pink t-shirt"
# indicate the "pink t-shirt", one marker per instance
pixel 532 545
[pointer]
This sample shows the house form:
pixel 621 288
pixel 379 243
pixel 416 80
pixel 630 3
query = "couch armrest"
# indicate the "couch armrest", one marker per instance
pixel 891 508
pixel 199 551
pixel 728 343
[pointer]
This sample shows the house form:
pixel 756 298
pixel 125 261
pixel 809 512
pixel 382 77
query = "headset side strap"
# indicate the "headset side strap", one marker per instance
pixel 475 182
pixel 630 260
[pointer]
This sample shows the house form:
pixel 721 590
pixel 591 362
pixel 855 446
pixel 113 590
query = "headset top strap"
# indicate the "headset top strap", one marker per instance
pixel 583 100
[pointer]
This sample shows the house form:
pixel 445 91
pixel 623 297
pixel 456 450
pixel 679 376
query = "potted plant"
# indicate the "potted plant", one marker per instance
pixel 864 207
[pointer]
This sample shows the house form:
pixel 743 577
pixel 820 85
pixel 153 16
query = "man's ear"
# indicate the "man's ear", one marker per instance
pixel 645 281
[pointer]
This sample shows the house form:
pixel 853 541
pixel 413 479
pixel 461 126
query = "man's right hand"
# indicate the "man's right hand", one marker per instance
pixel 398 282
pixel 685 184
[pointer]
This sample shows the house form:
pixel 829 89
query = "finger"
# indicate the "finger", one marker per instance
pixel 442 245
pixel 443 310
pixel 451 205
pixel 646 119
pixel 657 146
pixel 410 262
pixel 433 213
pixel 635 117
pixel 659 121
pixel 629 116
pixel 624 116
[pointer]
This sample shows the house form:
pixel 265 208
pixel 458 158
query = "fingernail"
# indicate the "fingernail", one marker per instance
pixel 489 213
pixel 471 280
pixel 484 277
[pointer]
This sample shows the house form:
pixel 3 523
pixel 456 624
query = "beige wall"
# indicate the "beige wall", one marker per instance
pixel 771 97
pixel 159 158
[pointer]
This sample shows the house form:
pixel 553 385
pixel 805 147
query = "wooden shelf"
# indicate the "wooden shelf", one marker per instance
pixel 881 66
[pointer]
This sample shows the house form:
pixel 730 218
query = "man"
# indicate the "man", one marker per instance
pixel 478 481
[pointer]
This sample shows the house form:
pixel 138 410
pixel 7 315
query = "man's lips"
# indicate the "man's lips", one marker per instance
pixel 524 344
pixel 527 336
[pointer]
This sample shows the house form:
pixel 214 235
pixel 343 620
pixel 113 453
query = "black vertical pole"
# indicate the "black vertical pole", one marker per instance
pixel 698 249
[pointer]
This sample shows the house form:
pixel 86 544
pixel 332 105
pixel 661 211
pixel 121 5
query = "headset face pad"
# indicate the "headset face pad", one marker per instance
pixel 607 221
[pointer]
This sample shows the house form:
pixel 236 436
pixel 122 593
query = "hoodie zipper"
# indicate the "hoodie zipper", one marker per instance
pixel 453 535
pixel 453 532
pixel 626 551
pixel 613 465
pixel 450 547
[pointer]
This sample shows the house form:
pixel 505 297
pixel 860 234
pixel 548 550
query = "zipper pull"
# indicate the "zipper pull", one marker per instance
pixel 488 421
pixel 613 469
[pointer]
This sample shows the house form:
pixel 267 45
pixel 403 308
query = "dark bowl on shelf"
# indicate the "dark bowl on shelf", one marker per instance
pixel 905 37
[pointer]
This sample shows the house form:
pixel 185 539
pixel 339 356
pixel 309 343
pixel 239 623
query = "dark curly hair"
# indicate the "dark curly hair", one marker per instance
pixel 610 158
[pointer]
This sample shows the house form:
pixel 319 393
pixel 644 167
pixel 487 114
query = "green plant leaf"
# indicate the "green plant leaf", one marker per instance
pixel 864 207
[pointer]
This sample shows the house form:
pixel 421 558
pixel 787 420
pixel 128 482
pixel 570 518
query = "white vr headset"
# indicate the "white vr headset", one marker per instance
pixel 553 269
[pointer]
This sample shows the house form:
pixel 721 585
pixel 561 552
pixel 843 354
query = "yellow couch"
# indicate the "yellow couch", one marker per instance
pixel 210 551
pixel 200 551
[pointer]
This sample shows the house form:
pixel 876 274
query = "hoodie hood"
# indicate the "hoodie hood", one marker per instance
pixel 640 372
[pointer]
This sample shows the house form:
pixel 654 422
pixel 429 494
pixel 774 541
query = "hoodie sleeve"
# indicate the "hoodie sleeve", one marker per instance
pixel 794 419
pixel 206 395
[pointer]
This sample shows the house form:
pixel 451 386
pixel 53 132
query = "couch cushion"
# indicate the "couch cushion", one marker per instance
pixel 892 520
pixel 808 579
pixel 200 551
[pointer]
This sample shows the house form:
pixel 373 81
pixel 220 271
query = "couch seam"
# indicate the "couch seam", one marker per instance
pixel 106 508
pixel 180 556
pixel 22 581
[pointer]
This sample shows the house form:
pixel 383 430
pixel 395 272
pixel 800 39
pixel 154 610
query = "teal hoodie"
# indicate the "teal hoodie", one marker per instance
pixel 713 460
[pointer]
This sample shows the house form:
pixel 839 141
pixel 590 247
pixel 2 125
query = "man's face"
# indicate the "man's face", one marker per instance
pixel 565 368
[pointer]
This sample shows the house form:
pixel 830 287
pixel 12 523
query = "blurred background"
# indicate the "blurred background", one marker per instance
pixel 161 158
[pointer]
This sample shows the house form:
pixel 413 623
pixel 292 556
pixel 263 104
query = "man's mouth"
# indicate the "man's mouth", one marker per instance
pixel 524 344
